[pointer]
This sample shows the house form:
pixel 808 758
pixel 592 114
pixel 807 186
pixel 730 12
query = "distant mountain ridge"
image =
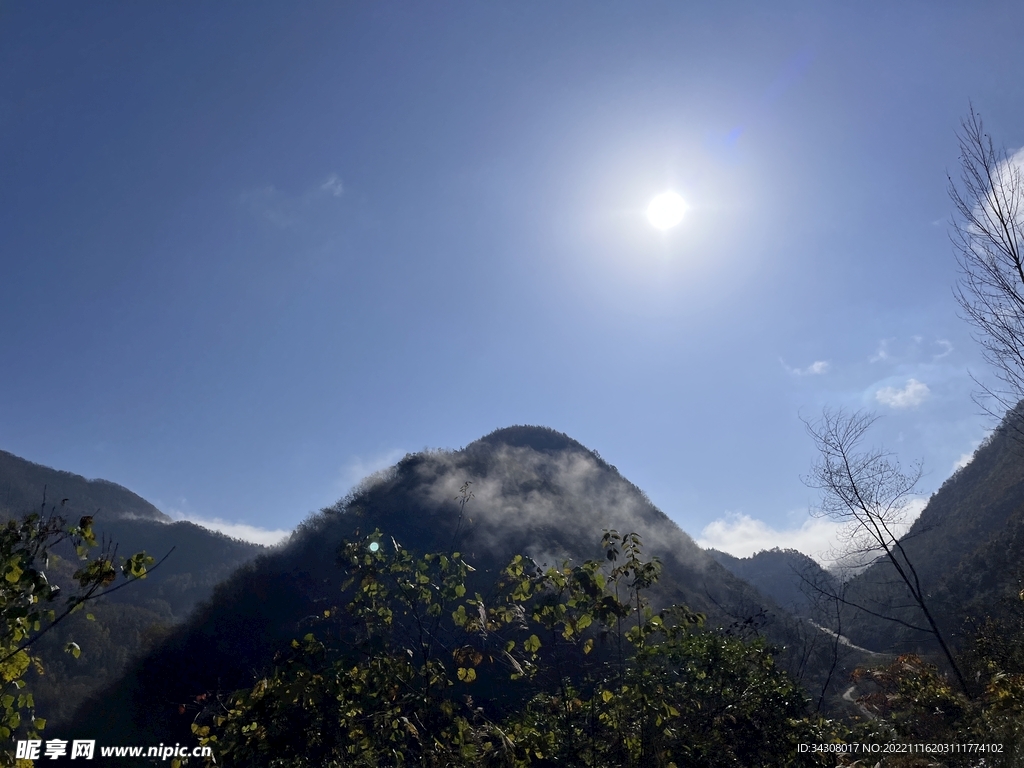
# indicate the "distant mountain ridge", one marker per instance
pixel 132 619
pixel 784 575
pixel 22 485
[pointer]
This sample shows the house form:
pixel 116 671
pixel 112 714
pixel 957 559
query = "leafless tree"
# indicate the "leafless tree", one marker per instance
pixel 988 236
pixel 869 492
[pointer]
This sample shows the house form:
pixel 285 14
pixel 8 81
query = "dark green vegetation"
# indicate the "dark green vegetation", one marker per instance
pixel 559 666
pixel 327 652
pixel 537 493
pixel 781 574
pixel 130 621
pixel 33 605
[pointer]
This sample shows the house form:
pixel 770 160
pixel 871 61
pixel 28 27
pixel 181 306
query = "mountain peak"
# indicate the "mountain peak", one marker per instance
pixel 542 439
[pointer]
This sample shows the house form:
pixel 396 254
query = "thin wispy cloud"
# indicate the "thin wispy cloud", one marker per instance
pixel 817 368
pixel 910 396
pixel 333 186
pixel 284 210
pixel 946 346
pixel 882 353
pixel 525 490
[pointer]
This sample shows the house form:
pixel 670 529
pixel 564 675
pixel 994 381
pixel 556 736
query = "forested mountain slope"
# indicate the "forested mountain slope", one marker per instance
pixel 784 575
pixel 23 485
pixel 967 548
pixel 535 491
pixel 132 619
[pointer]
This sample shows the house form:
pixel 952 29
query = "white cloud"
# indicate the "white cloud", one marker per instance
pixel 911 396
pixel 1008 176
pixel 818 537
pixel 882 353
pixel 284 209
pixel 742 536
pixel 966 458
pixel 816 368
pixel 333 186
pixel 947 348
pixel 243 531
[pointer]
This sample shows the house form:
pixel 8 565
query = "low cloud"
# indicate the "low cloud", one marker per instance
pixel 742 536
pixel 911 396
pixel 821 538
pixel 548 499
pixel 243 531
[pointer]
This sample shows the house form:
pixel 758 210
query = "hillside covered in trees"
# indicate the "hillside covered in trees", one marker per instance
pixel 519 602
pixel 128 622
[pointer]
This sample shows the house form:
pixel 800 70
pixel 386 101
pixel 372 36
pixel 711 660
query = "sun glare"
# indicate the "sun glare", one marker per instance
pixel 666 210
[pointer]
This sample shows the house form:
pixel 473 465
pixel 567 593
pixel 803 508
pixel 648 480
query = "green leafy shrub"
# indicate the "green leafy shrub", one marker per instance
pixel 564 666
pixel 31 605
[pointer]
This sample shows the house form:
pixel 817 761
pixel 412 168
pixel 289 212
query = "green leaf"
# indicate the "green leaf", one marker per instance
pixel 74 649
pixel 532 644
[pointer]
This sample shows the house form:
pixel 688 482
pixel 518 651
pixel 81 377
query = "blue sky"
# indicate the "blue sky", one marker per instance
pixel 250 252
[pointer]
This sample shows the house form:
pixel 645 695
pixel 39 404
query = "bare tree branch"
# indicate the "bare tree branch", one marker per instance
pixel 988 235
pixel 868 491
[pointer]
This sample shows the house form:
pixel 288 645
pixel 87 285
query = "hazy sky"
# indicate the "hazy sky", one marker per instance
pixel 252 251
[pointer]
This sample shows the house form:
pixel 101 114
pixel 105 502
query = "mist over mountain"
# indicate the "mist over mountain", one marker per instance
pixel 535 491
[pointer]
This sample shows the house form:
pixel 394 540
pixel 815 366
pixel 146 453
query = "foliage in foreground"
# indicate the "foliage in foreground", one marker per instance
pixel 916 704
pixel 567 666
pixel 30 606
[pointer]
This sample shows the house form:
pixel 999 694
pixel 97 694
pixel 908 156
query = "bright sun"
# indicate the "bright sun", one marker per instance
pixel 666 210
